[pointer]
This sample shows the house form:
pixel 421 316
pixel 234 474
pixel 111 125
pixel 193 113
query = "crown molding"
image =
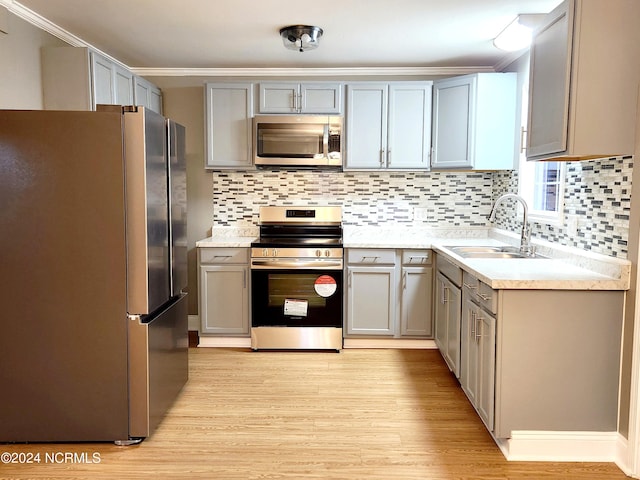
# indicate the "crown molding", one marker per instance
pixel 315 72
pixel 42 23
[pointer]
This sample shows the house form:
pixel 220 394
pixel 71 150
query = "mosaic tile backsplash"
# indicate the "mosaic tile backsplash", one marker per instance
pixel 367 198
pixel 597 199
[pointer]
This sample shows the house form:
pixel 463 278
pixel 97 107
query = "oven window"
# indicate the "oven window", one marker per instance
pixel 293 297
pixel 290 286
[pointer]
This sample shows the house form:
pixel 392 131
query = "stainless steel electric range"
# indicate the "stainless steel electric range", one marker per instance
pixel 297 279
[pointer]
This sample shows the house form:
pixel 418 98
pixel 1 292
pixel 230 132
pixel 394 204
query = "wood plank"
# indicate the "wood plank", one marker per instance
pixel 374 414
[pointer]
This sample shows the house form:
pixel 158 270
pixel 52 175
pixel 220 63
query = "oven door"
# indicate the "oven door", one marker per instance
pixel 296 298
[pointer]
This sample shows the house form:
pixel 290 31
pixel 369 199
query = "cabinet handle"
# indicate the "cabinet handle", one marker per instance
pixel 483 296
pixel 404 281
pixel 478 326
pixel 244 279
pixel 374 259
pixel 389 158
pixel 381 158
pixel 472 324
pixel 445 296
pixel 418 259
pixel 470 287
pixel 222 257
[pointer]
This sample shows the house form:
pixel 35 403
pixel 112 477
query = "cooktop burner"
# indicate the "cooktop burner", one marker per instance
pixel 302 227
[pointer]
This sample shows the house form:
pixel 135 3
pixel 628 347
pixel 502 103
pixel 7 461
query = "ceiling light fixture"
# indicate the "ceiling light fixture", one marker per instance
pixel 517 35
pixel 301 37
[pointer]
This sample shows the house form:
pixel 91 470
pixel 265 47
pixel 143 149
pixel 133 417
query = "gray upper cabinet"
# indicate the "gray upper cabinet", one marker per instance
pixel 77 78
pixel 300 98
pixel 147 95
pixel 388 126
pixel 474 122
pixel 583 82
pixel 229 113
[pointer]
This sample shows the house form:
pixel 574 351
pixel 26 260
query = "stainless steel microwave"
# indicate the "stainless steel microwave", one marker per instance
pixel 298 141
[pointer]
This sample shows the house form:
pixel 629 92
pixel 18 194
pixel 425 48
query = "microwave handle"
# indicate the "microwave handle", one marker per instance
pixel 325 140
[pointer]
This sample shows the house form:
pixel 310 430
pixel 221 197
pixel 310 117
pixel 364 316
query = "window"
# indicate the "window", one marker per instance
pixel 541 184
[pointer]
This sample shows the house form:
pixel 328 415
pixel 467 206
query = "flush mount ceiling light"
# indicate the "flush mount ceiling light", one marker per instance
pixel 301 37
pixel 517 35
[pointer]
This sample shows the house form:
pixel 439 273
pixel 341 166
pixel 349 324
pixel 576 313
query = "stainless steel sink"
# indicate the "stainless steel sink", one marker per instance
pixel 490 251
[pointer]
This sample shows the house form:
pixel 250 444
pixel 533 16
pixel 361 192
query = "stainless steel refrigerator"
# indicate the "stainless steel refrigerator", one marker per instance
pixel 93 330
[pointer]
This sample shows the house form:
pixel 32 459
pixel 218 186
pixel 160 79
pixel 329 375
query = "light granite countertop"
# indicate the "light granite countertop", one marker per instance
pixel 564 268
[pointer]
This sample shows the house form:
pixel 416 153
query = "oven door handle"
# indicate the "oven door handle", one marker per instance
pixel 293 264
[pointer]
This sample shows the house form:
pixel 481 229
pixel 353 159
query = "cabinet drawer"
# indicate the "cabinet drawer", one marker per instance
pixel 373 256
pixel 481 293
pixel 449 270
pixel 224 255
pixel 416 257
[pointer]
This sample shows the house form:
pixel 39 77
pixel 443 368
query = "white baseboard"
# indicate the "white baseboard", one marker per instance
pixel 388 343
pixel 622 456
pixel 540 446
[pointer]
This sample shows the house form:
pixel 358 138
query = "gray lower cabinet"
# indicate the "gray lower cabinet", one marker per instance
pixel 527 357
pixel 224 291
pixel 388 293
pixel 478 347
pixel 447 311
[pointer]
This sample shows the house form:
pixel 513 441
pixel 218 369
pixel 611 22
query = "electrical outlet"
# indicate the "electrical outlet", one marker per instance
pixel 572 225
pixel 422 214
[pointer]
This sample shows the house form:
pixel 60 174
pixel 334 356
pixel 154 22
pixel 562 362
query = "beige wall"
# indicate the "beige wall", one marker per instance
pixel 20 81
pixel 186 106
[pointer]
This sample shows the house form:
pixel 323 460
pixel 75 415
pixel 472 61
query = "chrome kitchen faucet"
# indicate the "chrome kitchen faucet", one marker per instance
pixel 525 237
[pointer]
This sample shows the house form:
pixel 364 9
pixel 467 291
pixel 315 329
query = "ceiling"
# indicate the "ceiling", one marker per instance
pixel 206 34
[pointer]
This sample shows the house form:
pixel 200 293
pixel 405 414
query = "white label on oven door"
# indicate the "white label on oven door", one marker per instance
pixel 296 308
pixel 325 285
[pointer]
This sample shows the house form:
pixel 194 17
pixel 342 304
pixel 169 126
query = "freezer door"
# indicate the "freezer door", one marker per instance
pixel 178 205
pixel 158 366
pixel 149 274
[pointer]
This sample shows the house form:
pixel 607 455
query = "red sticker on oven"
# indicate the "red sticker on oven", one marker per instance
pixel 325 285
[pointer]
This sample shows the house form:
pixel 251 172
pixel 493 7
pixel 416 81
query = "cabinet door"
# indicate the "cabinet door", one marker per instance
pixel 147 95
pixel 549 86
pixel 453 103
pixel 486 354
pixel 279 97
pixel 371 300
pixel 415 307
pixel 103 80
pixel 454 305
pixel 440 313
pixel 366 126
pixel 123 86
pixel 224 299
pixel 321 98
pixel 447 322
pixel 409 128
pixel 229 109
pixel 469 349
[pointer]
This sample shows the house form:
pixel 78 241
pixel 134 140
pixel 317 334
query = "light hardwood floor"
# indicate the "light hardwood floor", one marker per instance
pixel 359 414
